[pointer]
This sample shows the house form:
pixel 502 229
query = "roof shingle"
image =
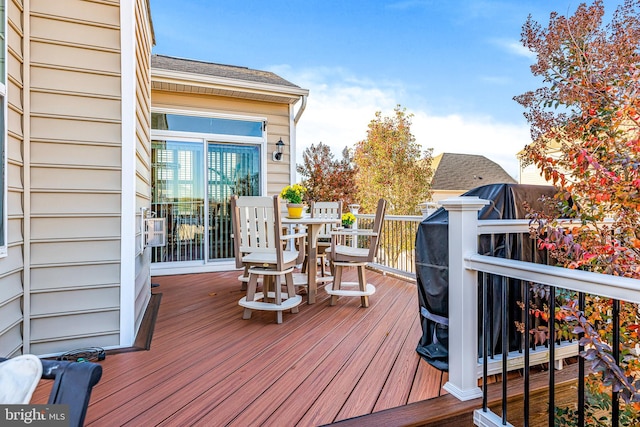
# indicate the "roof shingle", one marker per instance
pixel 217 70
pixel 466 171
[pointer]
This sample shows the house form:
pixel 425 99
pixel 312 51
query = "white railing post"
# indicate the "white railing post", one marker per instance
pixel 463 297
pixel 353 208
pixel 427 208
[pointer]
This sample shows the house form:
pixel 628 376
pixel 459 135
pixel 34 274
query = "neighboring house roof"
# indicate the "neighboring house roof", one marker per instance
pixel 454 171
pixel 189 75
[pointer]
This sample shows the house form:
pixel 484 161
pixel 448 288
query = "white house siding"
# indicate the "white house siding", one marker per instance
pixel 439 195
pixel 530 174
pixel 143 156
pixel 12 267
pixel 75 175
pixel 277 115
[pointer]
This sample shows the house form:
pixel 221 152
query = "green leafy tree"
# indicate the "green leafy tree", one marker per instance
pixel 391 165
pixel 325 177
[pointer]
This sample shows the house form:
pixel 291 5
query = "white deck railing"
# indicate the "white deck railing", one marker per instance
pixel 396 252
pixel 464 265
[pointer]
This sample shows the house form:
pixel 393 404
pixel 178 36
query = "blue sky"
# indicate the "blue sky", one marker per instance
pixel 456 65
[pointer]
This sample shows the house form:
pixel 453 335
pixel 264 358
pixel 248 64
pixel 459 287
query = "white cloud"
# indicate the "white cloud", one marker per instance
pixel 514 47
pixel 499 142
pixel 340 107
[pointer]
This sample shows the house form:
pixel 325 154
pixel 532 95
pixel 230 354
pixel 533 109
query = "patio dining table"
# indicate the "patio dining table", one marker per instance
pixel 314 225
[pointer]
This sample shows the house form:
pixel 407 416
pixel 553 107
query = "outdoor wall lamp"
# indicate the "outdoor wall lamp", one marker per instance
pixel 277 155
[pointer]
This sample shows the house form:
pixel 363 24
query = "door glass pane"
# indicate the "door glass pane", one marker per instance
pixel 178 194
pixel 179 122
pixel 232 169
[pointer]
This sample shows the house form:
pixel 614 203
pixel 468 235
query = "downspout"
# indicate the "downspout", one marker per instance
pixel 292 133
pixel 301 109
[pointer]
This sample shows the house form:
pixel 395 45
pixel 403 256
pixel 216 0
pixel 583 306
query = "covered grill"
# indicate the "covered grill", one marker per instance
pixel 432 261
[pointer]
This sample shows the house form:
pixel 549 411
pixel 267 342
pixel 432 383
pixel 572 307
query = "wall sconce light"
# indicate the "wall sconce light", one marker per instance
pixel 277 155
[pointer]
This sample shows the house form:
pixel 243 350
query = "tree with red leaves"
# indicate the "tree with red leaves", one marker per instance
pixel 585 124
pixel 325 177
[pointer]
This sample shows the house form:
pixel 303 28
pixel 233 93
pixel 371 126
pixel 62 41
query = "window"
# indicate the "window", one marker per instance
pixel 208 125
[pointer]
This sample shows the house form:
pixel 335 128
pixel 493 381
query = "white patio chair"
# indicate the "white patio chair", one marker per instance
pixel 324 210
pixel 258 238
pixel 343 253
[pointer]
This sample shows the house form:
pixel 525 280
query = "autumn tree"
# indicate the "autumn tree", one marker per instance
pixel 391 165
pixel 587 114
pixel 325 177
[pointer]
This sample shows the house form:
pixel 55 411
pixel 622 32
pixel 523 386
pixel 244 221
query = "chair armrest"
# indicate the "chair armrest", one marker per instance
pixel 353 232
pixel 293 236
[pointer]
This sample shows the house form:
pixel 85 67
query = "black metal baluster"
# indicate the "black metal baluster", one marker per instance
pixel 527 304
pixel 485 342
pixel 505 347
pixel 581 306
pixel 615 401
pixel 492 248
pixel 552 353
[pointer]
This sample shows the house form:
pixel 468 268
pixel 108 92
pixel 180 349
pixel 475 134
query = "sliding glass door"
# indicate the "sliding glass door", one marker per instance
pixel 178 195
pixel 231 169
pixel 199 223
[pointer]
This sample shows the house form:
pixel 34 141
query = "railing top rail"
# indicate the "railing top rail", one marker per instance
pixel 497 226
pixel 621 288
pixel 411 218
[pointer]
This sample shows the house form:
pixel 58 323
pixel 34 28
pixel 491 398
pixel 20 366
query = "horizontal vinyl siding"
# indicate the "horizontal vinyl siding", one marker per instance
pixel 81 129
pixel 72 81
pixel 11 317
pixel 51 228
pixel 74 252
pixel 12 266
pixel 78 179
pixel 84 11
pixel 72 301
pixel 75 57
pixel 14 229
pixel 75 172
pixel 531 175
pixel 65 105
pixel 105 156
pixel 103 338
pixel 63 277
pixel 75 204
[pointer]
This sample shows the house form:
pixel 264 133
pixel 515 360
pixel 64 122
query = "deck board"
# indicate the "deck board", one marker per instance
pixel 208 366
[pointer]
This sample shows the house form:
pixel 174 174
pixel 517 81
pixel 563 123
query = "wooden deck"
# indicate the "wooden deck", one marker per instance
pixel 206 366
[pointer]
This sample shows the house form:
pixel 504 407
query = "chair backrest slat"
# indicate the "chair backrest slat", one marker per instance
pixel 326 210
pixel 255 215
pixel 257 226
pixel 377 228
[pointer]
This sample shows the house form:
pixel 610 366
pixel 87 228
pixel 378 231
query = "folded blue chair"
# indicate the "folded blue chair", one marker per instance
pixel 73 383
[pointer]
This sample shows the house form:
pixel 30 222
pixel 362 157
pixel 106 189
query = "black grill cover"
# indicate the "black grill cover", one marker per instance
pixel 432 262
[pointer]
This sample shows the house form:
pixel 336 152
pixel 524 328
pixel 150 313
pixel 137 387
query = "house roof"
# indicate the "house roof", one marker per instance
pixel 454 171
pixel 189 75
pixel 217 70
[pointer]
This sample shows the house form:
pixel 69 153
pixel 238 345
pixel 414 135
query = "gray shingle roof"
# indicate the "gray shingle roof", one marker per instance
pixel 217 70
pixel 466 171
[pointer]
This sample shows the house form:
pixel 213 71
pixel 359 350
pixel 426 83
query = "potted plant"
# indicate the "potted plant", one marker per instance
pixel 294 194
pixel 348 219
